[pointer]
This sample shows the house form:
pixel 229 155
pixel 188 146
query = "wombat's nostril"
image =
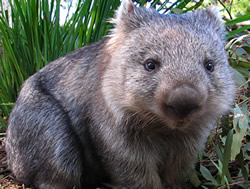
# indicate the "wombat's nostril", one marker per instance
pixel 181 102
pixel 180 110
pixel 184 109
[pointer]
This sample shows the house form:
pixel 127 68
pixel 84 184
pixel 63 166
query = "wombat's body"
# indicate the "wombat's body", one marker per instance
pixel 132 110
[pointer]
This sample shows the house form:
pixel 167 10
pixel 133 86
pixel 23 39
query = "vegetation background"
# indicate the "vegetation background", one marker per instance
pixel 31 36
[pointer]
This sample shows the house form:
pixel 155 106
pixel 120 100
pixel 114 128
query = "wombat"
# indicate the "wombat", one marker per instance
pixel 131 111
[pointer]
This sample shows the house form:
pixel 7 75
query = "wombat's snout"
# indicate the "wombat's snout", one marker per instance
pixel 181 102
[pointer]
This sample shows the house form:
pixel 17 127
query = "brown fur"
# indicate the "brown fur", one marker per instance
pixel 99 116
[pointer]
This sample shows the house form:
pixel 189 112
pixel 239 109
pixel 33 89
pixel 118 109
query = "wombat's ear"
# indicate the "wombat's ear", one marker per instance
pixel 122 24
pixel 129 17
pixel 124 16
pixel 125 9
pixel 216 20
pixel 208 20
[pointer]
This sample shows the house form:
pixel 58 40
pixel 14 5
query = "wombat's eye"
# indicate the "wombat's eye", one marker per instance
pixel 209 66
pixel 150 65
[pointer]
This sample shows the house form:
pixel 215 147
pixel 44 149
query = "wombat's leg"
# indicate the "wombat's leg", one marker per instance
pixel 42 148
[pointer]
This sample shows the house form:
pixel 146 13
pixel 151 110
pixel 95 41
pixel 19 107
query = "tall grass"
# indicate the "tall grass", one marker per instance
pixel 36 38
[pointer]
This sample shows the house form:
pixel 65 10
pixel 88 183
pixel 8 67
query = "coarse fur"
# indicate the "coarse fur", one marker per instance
pixel 97 115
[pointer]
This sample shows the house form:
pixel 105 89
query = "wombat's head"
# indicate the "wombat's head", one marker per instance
pixel 172 67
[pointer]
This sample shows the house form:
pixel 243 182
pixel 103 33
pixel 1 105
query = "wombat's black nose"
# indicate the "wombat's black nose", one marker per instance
pixel 181 101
